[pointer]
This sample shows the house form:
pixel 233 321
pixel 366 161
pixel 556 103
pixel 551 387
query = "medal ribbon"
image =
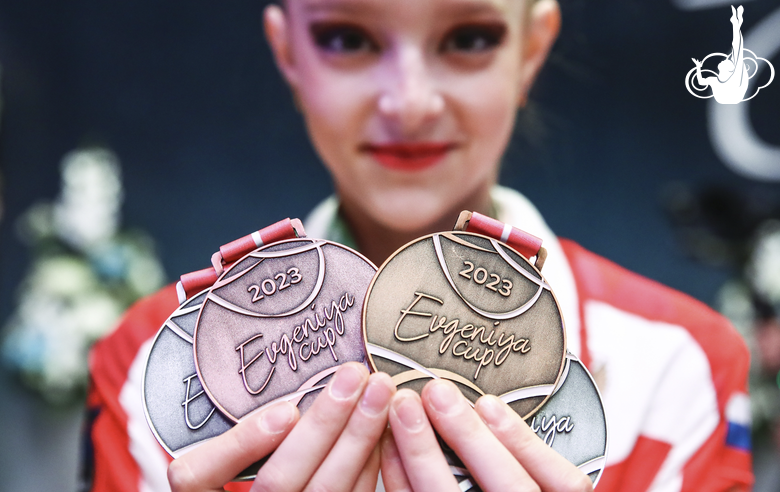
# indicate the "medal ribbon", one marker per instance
pixel 190 284
pixel 524 243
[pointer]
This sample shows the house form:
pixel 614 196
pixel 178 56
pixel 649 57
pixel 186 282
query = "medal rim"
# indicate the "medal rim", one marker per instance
pixel 213 400
pixel 152 427
pixel 370 358
pixel 572 357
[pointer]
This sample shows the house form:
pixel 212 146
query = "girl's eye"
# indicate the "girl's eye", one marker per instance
pixel 342 38
pixel 474 38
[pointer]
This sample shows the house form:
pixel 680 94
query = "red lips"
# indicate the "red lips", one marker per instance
pixel 409 156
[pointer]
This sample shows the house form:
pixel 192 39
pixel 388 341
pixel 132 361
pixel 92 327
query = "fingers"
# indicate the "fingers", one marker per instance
pixel 366 482
pixel 344 463
pixel 393 474
pixel 548 468
pixel 217 461
pixel 422 460
pixel 298 457
pixel 489 462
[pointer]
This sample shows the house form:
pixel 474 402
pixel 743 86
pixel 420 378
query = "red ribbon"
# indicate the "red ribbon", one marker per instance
pixel 191 283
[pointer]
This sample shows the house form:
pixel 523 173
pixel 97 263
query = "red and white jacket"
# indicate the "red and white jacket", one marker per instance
pixel 672 372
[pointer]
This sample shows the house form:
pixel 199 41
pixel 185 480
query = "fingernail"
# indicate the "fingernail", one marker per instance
pixel 492 410
pixel 346 382
pixel 409 411
pixel 277 418
pixel 376 397
pixel 443 396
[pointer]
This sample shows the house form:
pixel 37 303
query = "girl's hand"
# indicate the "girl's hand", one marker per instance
pixel 330 448
pixel 499 449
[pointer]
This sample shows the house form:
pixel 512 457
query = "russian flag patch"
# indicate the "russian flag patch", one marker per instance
pixel 739 419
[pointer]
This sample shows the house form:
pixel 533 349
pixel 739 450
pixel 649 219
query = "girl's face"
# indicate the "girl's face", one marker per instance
pixel 410 103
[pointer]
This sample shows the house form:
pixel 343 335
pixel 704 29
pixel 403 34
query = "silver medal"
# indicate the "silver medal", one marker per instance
pixel 572 421
pixel 177 409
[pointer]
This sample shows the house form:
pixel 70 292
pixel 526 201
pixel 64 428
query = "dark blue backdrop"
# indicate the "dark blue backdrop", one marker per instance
pixel 186 94
pixel 184 91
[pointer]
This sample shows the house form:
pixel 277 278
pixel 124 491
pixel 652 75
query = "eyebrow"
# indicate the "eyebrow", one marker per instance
pixel 343 6
pixel 464 7
pixel 471 7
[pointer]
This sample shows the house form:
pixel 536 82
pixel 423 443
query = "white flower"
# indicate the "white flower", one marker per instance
pixel 734 302
pixel 73 295
pixel 145 273
pixel 87 210
pixel 93 314
pixel 61 276
pixel 764 268
pixel 36 223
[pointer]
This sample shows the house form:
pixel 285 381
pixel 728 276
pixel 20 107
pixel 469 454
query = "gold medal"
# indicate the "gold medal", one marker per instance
pixel 467 308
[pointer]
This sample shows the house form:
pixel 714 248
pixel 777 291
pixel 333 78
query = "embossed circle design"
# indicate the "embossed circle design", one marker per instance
pixel 279 322
pixel 572 421
pixel 467 308
pixel 177 410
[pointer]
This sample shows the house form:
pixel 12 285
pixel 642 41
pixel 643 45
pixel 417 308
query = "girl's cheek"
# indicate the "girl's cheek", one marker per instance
pixel 337 101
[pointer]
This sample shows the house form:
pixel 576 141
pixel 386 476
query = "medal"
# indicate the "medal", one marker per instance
pixel 277 313
pixel 278 323
pixel 303 296
pixel 470 307
pixel 572 421
pixel 176 408
pixel 464 307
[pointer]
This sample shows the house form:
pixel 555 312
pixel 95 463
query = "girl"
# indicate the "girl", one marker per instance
pixel 411 104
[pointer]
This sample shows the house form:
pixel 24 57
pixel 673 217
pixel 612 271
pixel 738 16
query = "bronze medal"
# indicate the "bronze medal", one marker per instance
pixel 467 308
pixel 277 324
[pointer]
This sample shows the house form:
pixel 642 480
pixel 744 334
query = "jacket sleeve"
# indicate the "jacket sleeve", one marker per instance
pixel 684 414
pixel 108 461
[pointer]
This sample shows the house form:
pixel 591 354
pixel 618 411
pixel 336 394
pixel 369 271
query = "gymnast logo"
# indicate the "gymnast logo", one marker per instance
pixel 730 84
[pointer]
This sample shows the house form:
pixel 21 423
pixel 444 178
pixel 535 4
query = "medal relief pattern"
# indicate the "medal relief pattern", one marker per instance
pixel 467 308
pixel 457 305
pixel 279 322
pixel 572 421
pixel 177 409
pixel 462 307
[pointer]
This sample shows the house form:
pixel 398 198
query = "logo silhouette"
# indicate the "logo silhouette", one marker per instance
pixel 730 84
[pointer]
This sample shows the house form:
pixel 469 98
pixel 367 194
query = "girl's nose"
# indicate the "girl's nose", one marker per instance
pixel 410 99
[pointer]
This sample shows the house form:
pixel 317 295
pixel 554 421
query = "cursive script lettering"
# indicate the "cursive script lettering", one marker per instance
pixel 550 427
pixel 306 340
pixel 189 399
pixel 473 342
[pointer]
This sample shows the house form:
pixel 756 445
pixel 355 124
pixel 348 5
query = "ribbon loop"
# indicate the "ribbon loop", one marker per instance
pixel 523 242
pixel 191 283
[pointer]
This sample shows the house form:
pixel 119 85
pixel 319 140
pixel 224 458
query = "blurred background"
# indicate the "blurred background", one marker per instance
pixel 135 138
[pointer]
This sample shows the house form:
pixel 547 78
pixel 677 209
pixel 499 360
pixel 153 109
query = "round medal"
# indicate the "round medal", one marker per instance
pixel 177 410
pixel 278 323
pixel 467 308
pixel 572 421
